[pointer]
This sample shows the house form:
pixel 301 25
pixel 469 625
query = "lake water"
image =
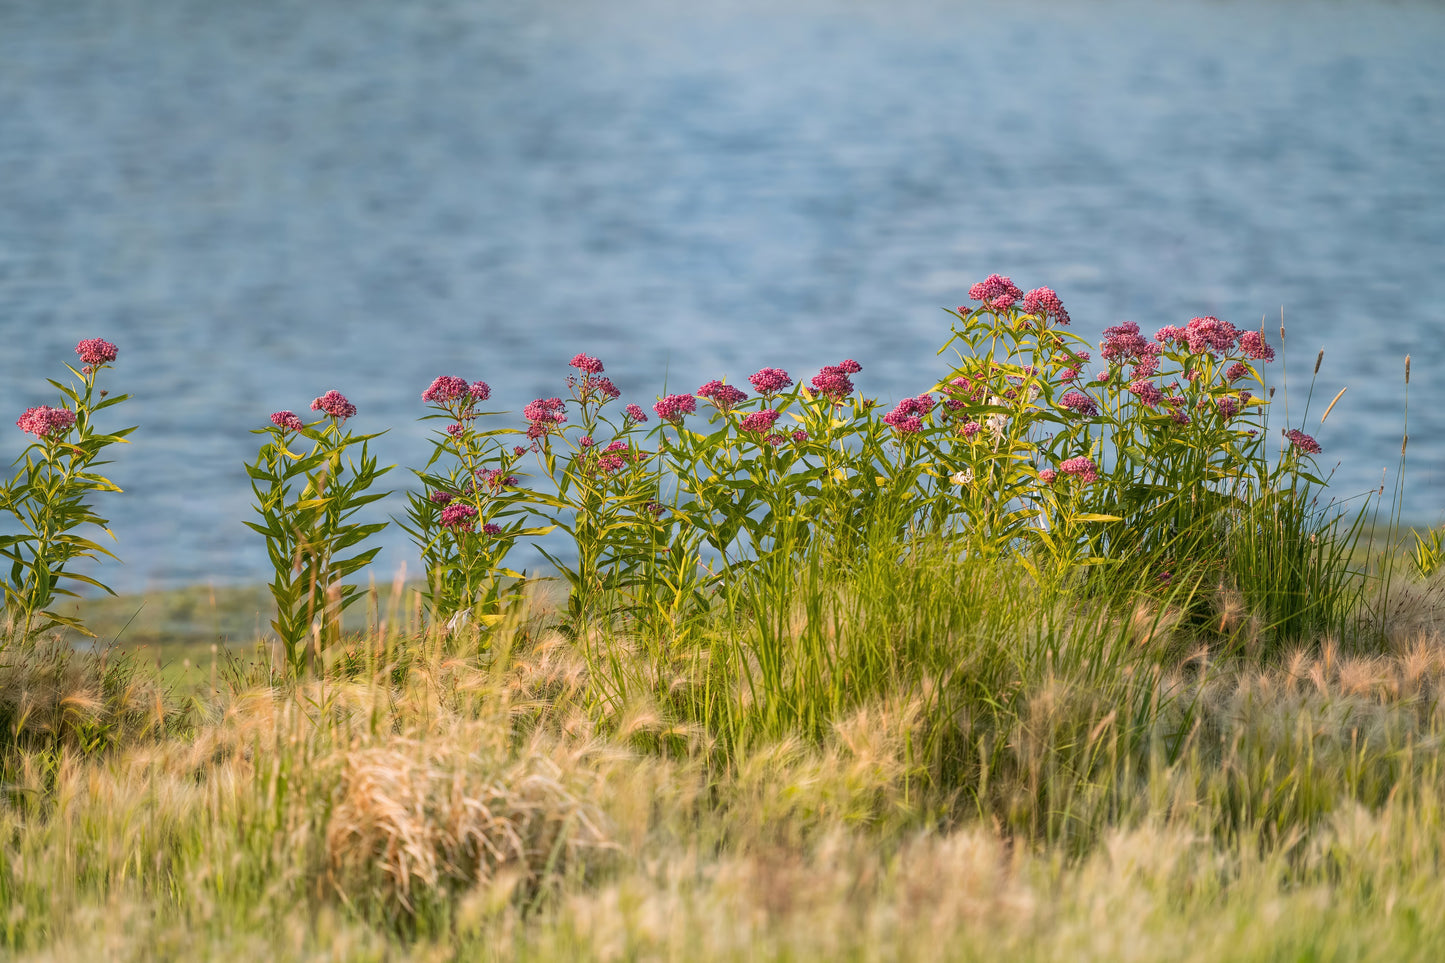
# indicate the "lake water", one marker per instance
pixel 259 201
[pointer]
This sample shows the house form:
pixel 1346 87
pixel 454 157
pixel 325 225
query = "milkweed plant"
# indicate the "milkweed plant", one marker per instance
pixel 1026 446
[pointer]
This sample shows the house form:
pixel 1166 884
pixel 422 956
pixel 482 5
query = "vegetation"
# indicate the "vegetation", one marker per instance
pixel 1051 666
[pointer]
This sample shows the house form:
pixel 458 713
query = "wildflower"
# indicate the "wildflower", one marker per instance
pixel 95 351
pixel 906 418
pixel 610 463
pixel 1303 442
pixel 673 407
pixel 46 422
pixel 544 414
pixel 496 478
pixel 1045 303
pixel 1228 406
pixel 800 436
pixel 962 477
pixel 1122 342
pixel 479 390
pixel 1147 391
pixel 760 421
pixel 635 414
pixel 446 388
pixel 1083 467
pixel 586 364
pixel 440 497
pixel 996 291
pixel 586 441
pixel 1237 370
pixel 1079 402
pixel 1171 334
pixel 723 395
pixel 1047 476
pixel 456 428
pixel 776 439
pixel 287 420
pixel 969 428
pixel 334 403
pixel 833 383
pixel 491 528
pixel 1254 345
pixel 519 450
pixel 600 386
pixel 458 515
pixel 1209 334
pixel 770 381
pixel 1145 367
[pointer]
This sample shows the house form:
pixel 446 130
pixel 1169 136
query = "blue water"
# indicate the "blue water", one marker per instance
pixel 260 201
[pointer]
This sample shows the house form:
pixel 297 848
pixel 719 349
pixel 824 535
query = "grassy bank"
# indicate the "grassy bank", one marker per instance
pixel 924 759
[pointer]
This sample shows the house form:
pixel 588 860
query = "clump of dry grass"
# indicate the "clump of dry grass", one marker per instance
pixel 415 814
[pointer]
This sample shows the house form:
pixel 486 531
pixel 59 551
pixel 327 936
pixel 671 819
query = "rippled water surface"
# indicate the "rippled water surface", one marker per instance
pixel 260 201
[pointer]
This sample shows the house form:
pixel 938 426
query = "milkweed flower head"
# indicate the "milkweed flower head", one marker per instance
pixel 1208 335
pixel 287 420
pixel 770 381
pixel 724 396
pixel 95 351
pixel 800 436
pixel 1080 403
pixel 673 407
pixel 446 388
pixel 479 390
pixel 906 418
pixel 833 383
pixel 586 364
pixel 543 415
pixel 491 529
pixel 1236 371
pixel 635 414
pixel 997 291
pixel 969 428
pixel 440 498
pixel 458 515
pixel 760 422
pixel 1147 391
pixel 1303 442
pixel 1045 303
pixel 46 422
pixel 334 403
pixel 1047 476
pixel 1082 468
pixel 1123 343
pixel 1254 345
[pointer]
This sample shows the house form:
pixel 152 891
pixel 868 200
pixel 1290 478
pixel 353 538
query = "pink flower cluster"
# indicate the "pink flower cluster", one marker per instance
pixel 497 478
pixel 1303 442
pixel 1082 467
pixel 1079 402
pixel 760 422
pixel 635 414
pixel 673 407
pixel 287 420
pixel 449 388
pixel 440 497
pixel 1123 343
pixel 1147 391
pixel 46 422
pixel 833 383
pixel 544 415
pixel 770 381
pixel 458 515
pixel 1072 373
pixel 587 364
pixel 334 403
pixel 1254 345
pixel 1045 303
pixel 611 460
pixel 1047 476
pixel 723 395
pixel 95 351
pixel 906 418
pixel 996 291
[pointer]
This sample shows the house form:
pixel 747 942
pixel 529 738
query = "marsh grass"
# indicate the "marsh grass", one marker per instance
pixel 921 757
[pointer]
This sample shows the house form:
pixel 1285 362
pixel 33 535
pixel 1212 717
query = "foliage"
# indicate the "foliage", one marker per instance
pixel 50 497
